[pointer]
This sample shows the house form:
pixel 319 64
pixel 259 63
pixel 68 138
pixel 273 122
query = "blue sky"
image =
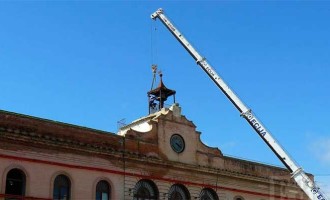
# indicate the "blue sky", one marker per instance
pixel 88 63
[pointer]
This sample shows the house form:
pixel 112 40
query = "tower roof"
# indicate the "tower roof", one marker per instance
pixel 161 91
pixel 159 94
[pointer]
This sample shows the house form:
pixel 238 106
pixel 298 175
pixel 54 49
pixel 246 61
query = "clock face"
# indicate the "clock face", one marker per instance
pixel 177 143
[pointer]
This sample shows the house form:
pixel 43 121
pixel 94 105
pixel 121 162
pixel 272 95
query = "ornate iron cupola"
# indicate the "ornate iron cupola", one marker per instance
pixel 159 95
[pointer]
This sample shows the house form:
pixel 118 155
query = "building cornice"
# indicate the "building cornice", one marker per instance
pixel 80 140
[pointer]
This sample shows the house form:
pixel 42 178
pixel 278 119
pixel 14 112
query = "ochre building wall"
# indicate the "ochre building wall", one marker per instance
pixel 43 149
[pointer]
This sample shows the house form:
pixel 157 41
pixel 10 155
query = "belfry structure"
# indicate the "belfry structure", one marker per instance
pixel 159 95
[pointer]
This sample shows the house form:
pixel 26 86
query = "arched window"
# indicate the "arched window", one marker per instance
pixel 178 192
pixel 15 182
pixel 145 189
pixel 208 194
pixel 103 190
pixel 62 188
pixel 238 198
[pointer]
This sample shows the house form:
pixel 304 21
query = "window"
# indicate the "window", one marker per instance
pixel 145 189
pixel 15 183
pixel 208 194
pixel 62 186
pixel 178 192
pixel 238 198
pixel 102 190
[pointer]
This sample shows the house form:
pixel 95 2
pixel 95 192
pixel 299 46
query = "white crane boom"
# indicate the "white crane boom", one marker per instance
pixel 304 182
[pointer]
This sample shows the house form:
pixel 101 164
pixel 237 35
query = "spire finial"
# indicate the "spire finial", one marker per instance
pixel 154 68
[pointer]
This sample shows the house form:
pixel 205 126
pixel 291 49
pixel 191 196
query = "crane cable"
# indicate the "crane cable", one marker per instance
pixel 153 47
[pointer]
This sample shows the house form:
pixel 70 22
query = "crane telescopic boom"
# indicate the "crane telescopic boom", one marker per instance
pixel 304 182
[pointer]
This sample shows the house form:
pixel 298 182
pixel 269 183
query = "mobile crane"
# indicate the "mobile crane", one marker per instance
pixel 298 174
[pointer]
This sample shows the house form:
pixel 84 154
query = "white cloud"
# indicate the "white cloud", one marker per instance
pixel 321 148
pixel 324 183
pixel 229 145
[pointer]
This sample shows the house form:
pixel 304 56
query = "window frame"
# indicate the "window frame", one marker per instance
pixel 21 180
pixel 100 190
pixel 146 185
pixel 175 188
pixel 68 187
pixel 209 192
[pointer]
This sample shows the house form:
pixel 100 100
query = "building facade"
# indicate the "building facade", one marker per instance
pixel 159 156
